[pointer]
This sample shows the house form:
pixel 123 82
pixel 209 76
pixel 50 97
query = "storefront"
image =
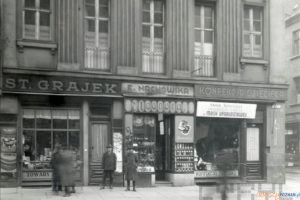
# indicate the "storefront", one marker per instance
pixel 48 111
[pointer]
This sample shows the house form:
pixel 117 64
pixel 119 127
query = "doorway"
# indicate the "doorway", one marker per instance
pixel 98 141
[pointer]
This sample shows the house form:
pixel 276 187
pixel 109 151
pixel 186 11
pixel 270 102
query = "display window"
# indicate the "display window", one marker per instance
pixel 43 129
pixel 217 143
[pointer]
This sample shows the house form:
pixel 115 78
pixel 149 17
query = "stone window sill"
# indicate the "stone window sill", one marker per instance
pixel 245 61
pixel 37 44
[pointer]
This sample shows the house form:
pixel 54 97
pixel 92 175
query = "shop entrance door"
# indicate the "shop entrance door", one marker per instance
pixel 98 142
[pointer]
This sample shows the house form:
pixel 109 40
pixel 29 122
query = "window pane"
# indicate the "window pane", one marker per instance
pixel 247 25
pixel 29 17
pixel 45 4
pixel 208 23
pixel 197 21
pixel 44 19
pixel 256 13
pixel 146 31
pixel 74 139
pixel 146 4
pixel 29 3
pixel 207 12
pixel 43 119
pixel 103 26
pixel 257 26
pixel 29 144
pixel 158 6
pixel 257 39
pixel 246 38
pixel 197 35
pixel 103 12
pixel 208 37
pixel 158 18
pixel 198 11
pixel 74 119
pixel 60 119
pixel 158 32
pixel 90 25
pixel 146 16
pixel 90 8
pixel 43 144
pixel 28 119
pixel 60 137
pixel 103 3
pixel 247 13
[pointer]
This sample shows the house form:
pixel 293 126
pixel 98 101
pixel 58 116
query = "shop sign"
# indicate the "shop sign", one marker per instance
pixel 184 130
pixel 240 92
pixel 159 106
pixel 37 175
pixel 157 89
pixel 226 110
pixel 118 143
pixel 215 173
pixel 145 169
pixel 59 85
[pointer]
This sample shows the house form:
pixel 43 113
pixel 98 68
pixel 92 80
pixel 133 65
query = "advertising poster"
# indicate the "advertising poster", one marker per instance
pixel 117 139
pixel 184 129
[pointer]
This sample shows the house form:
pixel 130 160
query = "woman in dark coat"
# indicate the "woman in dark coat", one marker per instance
pixel 130 167
pixel 66 170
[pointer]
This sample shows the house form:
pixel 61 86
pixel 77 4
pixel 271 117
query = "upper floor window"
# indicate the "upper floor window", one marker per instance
pixel 96 37
pixel 204 40
pixel 153 36
pixel 252 32
pixel 37 19
pixel 296 43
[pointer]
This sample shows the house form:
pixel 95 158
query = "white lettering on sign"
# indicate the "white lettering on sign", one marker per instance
pixel 37 175
pixel 215 173
pixel 226 110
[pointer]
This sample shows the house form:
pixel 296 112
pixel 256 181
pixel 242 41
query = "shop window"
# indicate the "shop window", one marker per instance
pixel 37 19
pixel 96 37
pixel 296 43
pixel 143 141
pixel 153 37
pixel 43 129
pixel 204 40
pixel 217 145
pixel 253 32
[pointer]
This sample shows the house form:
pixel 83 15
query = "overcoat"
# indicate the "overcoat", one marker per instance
pixel 131 166
pixel 109 161
pixel 66 168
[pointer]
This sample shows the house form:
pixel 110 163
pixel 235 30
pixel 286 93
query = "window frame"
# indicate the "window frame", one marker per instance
pixel 253 33
pixel 37 26
pixel 296 43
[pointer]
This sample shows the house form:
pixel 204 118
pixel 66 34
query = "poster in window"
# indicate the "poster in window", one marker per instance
pixel 184 129
pixel 117 142
pixel 8 142
pixel 252 144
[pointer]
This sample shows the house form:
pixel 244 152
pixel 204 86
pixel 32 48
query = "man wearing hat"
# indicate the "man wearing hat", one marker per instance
pixel 131 161
pixel 109 165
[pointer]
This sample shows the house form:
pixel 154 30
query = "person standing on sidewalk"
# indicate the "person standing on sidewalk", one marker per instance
pixel 130 168
pixel 66 170
pixel 55 164
pixel 109 165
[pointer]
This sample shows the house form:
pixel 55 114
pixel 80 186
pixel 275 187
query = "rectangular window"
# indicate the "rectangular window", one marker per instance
pixel 37 19
pixel 204 40
pixel 96 38
pixel 153 36
pixel 253 32
pixel 296 43
pixel 45 128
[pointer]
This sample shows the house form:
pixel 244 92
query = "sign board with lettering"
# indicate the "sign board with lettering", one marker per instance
pixel 37 175
pixel 226 110
pixel 17 83
pixel 241 92
pixel 215 173
pixel 159 106
pixel 158 90
pixel 118 150
pixel 184 129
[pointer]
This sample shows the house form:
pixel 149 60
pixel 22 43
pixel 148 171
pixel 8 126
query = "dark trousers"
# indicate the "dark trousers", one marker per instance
pixel 108 173
pixel 128 184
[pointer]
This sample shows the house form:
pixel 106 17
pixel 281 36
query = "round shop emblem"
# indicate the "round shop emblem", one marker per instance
pixel 184 127
pixel 154 106
pixel 160 106
pixel 148 106
pixel 172 107
pixel 128 105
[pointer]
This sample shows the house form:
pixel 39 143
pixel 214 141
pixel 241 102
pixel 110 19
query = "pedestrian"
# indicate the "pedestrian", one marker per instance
pixel 66 171
pixel 55 163
pixel 109 166
pixel 130 168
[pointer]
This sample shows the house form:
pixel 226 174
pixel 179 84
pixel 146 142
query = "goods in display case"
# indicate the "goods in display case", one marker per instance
pixel 184 157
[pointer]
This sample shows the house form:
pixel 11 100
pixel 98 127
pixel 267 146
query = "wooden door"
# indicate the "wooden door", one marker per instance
pixel 98 142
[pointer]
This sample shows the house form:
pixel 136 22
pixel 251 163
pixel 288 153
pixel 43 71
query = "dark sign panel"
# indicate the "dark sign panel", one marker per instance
pixel 59 85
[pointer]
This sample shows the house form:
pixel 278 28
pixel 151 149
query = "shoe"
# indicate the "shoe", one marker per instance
pixel 73 191
pixel 66 195
pixel 102 188
pixel 134 190
pixel 127 189
pixel 110 187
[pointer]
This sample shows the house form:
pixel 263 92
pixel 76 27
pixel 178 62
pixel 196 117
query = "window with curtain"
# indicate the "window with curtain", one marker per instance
pixel 37 19
pixel 96 37
pixel 43 129
pixel 253 32
pixel 153 36
pixel 204 40
pixel 296 43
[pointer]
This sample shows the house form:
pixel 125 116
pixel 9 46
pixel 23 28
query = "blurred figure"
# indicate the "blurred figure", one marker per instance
pixel 55 163
pixel 130 168
pixel 66 170
pixel 109 165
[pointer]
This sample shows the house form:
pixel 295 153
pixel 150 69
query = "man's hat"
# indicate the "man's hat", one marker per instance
pixel 109 146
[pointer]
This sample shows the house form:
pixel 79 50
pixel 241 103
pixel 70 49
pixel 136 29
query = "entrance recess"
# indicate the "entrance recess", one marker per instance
pixel 98 142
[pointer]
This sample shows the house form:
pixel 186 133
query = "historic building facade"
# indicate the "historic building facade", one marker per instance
pixel 185 83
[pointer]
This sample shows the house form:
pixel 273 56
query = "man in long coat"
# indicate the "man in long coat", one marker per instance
pixel 55 163
pixel 66 170
pixel 130 167
pixel 109 164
